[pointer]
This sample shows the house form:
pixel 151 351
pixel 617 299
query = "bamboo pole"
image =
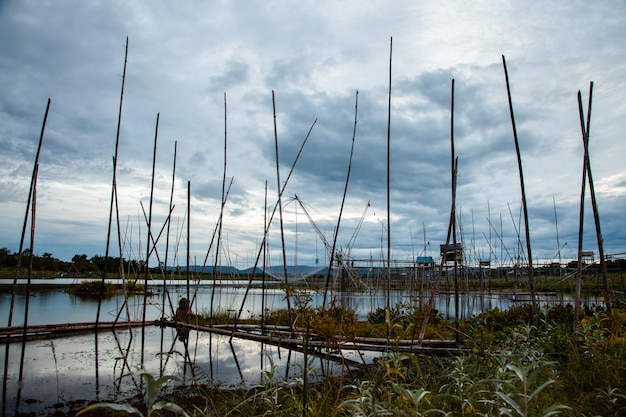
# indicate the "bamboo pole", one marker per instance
pixel 431 299
pixel 148 240
pixel 167 235
pixel 113 188
pixel 280 207
pixel 269 222
pixel 531 278
pixel 343 200
pixel 453 190
pixel 28 204
pixel 264 276
pixel 219 234
pixel 19 255
pixel 188 235
pixel 388 298
pixel 594 205
pixel 30 273
pixel 581 217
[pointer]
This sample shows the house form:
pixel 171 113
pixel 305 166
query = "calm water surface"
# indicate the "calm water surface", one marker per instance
pixel 83 367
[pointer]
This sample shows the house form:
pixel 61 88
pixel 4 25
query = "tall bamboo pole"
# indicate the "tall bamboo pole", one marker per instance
pixel 19 255
pixel 269 222
pixel 431 299
pixel 531 278
pixel 581 217
pixel 188 236
pixel 113 190
pixel 148 240
pixel 30 273
pixel 388 298
pixel 280 207
pixel 219 234
pixel 27 211
pixel 265 227
pixel 453 190
pixel 167 235
pixel 343 200
pixel 594 205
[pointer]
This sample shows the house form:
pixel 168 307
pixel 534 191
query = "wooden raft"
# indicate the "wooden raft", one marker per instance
pixel 49 331
pixel 282 336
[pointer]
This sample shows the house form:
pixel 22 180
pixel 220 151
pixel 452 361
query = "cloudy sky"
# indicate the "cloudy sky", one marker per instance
pixel 209 69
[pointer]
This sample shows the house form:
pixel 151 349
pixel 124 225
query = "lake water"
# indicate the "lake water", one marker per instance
pixel 82 367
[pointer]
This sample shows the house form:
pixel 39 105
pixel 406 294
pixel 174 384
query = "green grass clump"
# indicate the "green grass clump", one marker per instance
pixel 93 288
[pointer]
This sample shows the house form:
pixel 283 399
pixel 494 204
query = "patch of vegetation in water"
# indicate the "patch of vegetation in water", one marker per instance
pixel 93 288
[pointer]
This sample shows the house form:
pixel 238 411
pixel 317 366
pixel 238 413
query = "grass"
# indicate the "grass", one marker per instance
pixel 508 368
pixel 92 288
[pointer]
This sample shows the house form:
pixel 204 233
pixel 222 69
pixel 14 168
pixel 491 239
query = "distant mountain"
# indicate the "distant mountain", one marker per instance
pixel 278 272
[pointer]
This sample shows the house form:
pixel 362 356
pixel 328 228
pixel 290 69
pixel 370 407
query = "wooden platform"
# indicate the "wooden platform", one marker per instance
pixel 49 331
pixel 295 339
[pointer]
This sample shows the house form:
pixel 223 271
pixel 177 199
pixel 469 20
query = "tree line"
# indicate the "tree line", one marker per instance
pixel 79 265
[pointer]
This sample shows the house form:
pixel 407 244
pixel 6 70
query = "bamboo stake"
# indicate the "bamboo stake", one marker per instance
pixel 431 299
pixel 594 205
pixel 453 188
pixel 388 298
pixel 531 279
pixel 119 243
pixel 280 208
pixel 581 217
pixel 188 234
pixel 147 263
pixel 113 189
pixel 269 222
pixel 19 255
pixel 345 191
pixel 30 274
pixel 219 234
pixel 265 227
pixel 558 244
pixel 167 235
pixel 28 204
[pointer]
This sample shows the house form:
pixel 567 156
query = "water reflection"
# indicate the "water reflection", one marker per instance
pixel 63 371
pixel 80 368
pixel 55 306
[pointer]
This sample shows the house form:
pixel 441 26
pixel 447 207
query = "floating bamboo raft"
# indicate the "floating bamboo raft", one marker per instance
pixel 297 339
pixel 44 331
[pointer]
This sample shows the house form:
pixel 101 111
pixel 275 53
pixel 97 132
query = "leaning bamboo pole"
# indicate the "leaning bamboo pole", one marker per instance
pixel 167 247
pixel 531 278
pixel 343 200
pixel 581 217
pixel 594 205
pixel 19 256
pixel 167 234
pixel 113 189
pixel 30 273
pixel 269 222
pixel 26 214
pixel 148 241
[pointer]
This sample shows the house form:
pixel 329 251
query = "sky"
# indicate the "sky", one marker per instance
pixel 213 73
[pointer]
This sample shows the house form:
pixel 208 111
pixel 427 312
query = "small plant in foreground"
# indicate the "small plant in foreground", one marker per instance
pixel 150 398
